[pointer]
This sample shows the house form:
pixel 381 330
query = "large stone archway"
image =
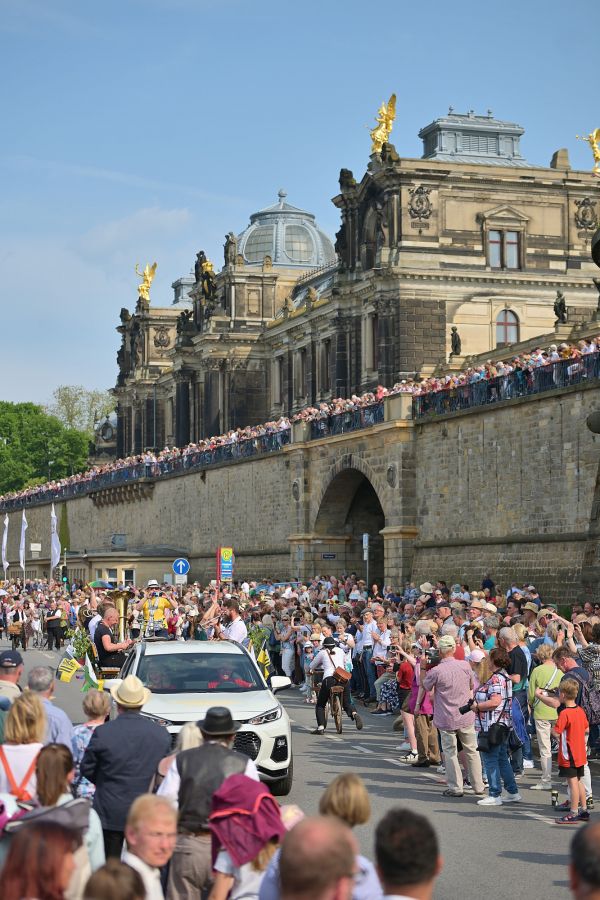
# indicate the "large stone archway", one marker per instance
pixel 349 508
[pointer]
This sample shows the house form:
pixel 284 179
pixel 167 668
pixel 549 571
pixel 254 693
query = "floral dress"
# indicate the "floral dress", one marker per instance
pixel 81 737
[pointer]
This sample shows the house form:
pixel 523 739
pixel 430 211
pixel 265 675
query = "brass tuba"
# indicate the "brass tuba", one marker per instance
pixel 120 599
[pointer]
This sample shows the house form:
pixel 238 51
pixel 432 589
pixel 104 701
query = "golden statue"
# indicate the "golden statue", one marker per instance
pixel 593 140
pixel 385 122
pixel 148 277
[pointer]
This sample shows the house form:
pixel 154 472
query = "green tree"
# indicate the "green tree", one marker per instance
pixel 78 408
pixel 36 447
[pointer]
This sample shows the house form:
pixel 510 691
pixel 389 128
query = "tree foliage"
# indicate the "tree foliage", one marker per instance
pixel 78 408
pixel 35 447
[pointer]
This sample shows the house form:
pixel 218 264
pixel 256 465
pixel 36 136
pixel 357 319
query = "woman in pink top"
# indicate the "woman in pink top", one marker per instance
pixel 421 705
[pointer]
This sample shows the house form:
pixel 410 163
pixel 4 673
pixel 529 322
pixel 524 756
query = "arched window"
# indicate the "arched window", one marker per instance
pixel 507 328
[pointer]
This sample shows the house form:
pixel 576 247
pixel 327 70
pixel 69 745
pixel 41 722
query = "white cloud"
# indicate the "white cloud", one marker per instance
pixel 62 296
pixel 98 173
pixel 144 225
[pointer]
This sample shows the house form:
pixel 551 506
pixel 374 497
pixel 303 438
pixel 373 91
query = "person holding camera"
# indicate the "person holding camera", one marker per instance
pixel 452 682
pixel 493 720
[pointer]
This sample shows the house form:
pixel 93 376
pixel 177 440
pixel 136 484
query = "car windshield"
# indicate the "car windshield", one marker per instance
pixel 182 673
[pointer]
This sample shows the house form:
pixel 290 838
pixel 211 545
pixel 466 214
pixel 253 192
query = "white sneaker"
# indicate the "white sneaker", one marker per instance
pixel 510 798
pixel 528 764
pixel 541 786
pixel 490 801
pixel 441 770
pixel 403 748
pixel 410 757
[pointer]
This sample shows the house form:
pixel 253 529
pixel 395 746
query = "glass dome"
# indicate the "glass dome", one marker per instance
pixel 288 235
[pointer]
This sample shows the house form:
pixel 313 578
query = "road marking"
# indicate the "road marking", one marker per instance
pixel 362 749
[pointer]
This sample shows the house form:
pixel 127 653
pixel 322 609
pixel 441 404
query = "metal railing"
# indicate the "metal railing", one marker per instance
pixel 519 383
pixel 351 420
pixel 187 461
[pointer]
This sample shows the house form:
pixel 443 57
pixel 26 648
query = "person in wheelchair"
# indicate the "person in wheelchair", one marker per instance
pixel 329 658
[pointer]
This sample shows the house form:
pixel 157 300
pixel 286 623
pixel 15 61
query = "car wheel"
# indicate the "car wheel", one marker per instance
pixel 283 786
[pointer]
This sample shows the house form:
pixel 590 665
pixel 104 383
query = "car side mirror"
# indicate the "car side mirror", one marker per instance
pixel 280 683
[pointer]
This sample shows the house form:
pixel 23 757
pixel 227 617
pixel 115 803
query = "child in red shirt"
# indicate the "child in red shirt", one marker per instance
pixel 572 728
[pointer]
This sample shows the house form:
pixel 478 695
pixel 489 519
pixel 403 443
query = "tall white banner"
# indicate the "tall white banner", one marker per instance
pixel 22 544
pixel 54 541
pixel 4 545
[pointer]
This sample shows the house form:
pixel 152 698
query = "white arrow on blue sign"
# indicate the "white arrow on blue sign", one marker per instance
pixel 181 566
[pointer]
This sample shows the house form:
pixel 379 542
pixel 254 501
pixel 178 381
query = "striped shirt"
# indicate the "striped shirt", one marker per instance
pixel 498 685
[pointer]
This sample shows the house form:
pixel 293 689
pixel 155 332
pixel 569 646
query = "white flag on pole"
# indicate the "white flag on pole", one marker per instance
pixel 4 545
pixel 22 544
pixel 54 541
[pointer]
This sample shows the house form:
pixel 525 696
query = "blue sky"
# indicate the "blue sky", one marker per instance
pixel 142 130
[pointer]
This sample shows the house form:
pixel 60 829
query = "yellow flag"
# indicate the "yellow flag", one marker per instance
pixel 67 668
pixel 264 661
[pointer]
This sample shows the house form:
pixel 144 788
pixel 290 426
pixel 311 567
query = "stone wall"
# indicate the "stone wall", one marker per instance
pixel 508 490
pixel 512 489
pixel 244 505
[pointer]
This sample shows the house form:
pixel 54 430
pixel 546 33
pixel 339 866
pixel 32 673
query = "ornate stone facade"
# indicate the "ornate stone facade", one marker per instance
pixel 471 235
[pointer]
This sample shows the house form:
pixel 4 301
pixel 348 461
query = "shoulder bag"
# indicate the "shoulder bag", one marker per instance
pixel 340 674
pixel 495 734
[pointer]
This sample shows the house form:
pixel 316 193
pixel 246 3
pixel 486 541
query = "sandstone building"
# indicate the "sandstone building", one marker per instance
pixel 470 235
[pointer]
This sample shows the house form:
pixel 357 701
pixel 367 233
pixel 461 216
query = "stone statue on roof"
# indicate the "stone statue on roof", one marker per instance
pixel 560 308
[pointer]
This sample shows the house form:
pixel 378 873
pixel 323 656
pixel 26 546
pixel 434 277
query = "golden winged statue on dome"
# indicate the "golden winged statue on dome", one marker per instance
pixel 593 139
pixel 385 122
pixel 147 277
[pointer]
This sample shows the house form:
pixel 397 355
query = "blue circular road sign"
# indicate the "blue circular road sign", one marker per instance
pixel 181 566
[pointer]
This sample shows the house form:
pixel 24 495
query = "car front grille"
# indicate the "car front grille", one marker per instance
pixel 247 742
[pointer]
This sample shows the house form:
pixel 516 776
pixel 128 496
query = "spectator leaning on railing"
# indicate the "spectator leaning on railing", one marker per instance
pixel 530 372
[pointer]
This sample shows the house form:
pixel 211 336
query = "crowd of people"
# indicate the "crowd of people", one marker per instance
pixel 472 678
pixel 505 377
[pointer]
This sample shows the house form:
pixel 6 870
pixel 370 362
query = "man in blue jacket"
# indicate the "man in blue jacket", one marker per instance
pixel 121 758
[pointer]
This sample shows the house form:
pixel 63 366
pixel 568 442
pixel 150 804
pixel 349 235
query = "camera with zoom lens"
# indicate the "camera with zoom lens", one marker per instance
pixel 463 710
pixel 432 656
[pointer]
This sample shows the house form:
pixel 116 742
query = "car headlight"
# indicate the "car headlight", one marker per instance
pixel 270 716
pixel 158 719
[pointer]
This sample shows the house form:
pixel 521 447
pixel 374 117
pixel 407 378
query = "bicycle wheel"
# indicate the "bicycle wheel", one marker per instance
pixel 326 712
pixel 336 707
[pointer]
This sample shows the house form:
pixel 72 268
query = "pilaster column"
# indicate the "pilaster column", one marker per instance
pixel 182 409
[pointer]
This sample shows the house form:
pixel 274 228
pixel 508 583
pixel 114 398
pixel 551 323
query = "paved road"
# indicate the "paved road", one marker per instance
pixel 486 850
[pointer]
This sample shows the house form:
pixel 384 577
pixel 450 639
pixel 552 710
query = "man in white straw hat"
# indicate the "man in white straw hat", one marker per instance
pixel 121 758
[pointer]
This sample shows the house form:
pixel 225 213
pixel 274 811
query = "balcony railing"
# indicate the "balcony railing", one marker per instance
pixel 186 462
pixel 519 383
pixel 352 420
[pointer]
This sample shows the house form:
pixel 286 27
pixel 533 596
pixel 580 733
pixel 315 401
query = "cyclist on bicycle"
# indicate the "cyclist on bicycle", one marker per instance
pixel 329 658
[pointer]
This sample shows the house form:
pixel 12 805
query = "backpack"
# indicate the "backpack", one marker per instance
pixel 590 699
pixel 18 790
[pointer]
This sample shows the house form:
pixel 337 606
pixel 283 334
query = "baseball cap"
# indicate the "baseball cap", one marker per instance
pixel 475 656
pixel 490 607
pixel 10 659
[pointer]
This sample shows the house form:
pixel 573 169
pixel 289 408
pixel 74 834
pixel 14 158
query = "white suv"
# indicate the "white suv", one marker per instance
pixel 188 677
